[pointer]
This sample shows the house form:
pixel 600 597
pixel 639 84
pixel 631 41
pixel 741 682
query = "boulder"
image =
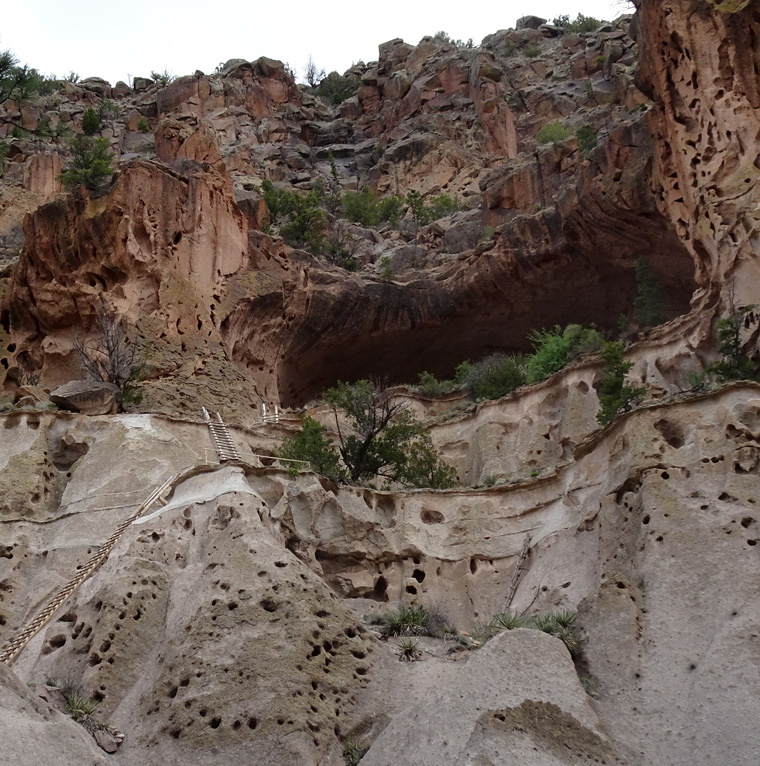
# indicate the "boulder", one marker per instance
pixel 96 85
pixel 31 733
pixel 519 694
pixel 90 397
pixel 529 22
pixel 549 30
pixel 121 89
pixel 53 696
pixel 254 208
pixel 141 83
pixel 31 395
pixel 106 741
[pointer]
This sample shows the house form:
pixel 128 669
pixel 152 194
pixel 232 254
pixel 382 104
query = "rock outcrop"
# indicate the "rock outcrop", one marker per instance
pixel 87 396
pixel 254 557
pixel 235 621
pixel 568 228
pixel 35 733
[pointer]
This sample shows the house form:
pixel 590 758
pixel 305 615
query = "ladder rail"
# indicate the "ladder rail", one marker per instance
pixel 16 645
pixel 225 447
pixel 517 572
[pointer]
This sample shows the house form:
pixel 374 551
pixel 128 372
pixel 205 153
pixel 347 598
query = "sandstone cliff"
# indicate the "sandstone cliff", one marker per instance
pixel 230 624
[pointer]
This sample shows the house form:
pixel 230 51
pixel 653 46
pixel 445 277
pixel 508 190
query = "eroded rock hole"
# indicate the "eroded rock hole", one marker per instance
pixel 56 642
pixel 379 592
pixel 269 605
pixel 431 517
pixel 66 452
pixel 671 432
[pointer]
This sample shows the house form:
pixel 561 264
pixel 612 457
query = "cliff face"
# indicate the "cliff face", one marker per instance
pixel 701 69
pixel 229 624
pixel 568 226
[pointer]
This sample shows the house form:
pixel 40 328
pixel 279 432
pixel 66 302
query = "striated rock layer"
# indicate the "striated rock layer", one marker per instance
pixel 229 624
pixel 648 529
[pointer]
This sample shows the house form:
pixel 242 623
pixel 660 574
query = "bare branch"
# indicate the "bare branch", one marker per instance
pixel 109 355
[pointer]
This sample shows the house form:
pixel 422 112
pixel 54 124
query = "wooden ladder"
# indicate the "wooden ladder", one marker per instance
pixel 518 570
pixel 14 647
pixel 220 435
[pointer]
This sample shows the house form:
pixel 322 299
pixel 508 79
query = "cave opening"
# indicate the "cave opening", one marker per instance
pixel 393 332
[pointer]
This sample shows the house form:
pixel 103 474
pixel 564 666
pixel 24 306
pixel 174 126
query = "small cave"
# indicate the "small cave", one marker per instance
pixel 380 591
pixel 66 451
pixel 671 432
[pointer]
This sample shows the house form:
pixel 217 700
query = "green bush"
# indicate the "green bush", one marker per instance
pixel 551 132
pixel 306 222
pixel 556 348
pixel 440 206
pixel 108 110
pixel 531 50
pixel 90 122
pixel 429 385
pixel 490 378
pixel 443 205
pixel 493 377
pixel 339 247
pixel 391 209
pixel 366 208
pixel 90 164
pixel 142 125
pixel 305 227
pixel 586 139
pixel 581 24
pixel 280 202
pixel 417 207
pixel 311 445
pixel 382 438
pixel 387 274
pixel 162 79
pixel 444 37
pixel 335 88
pixel 615 395
pixel 734 363
pixel 648 306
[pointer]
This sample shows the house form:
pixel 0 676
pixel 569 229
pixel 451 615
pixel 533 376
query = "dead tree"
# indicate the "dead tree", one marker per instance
pixel 109 355
pixel 313 74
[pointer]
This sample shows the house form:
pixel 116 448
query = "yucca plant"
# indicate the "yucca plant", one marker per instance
pixel 409 650
pixel 82 709
pixel 482 631
pixel 78 706
pixel 561 625
pixel 407 621
pixel 354 751
pixel 507 621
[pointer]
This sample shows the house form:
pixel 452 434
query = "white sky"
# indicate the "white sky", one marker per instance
pixel 116 40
